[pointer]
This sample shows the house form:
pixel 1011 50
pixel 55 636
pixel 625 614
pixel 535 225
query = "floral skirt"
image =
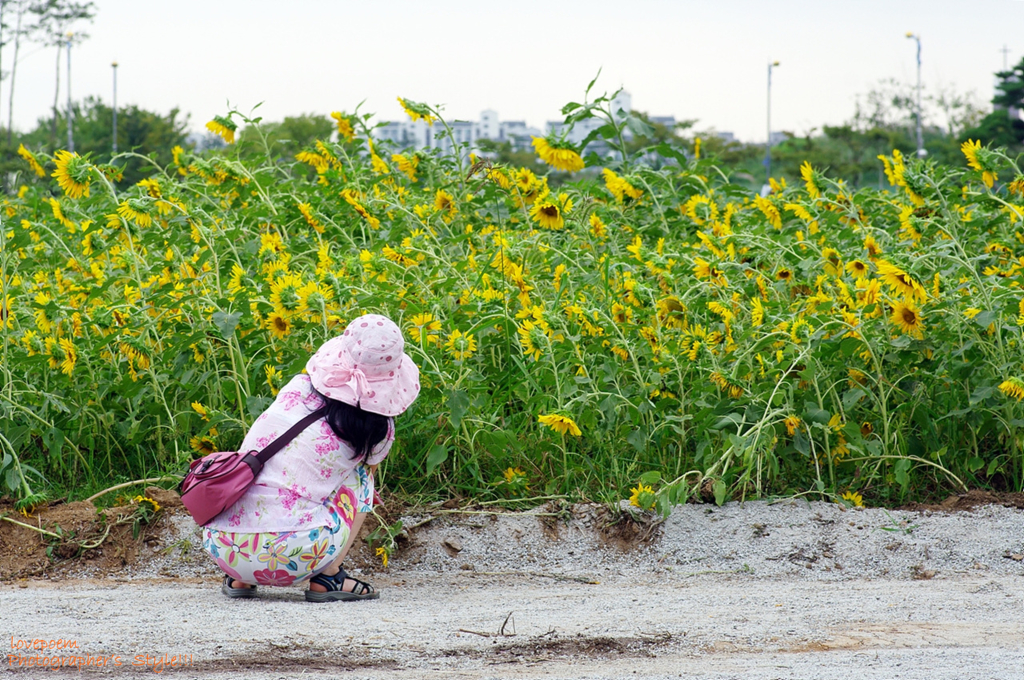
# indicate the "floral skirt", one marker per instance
pixel 283 558
pixel 275 558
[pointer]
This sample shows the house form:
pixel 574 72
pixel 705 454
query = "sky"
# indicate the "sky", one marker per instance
pixel 693 60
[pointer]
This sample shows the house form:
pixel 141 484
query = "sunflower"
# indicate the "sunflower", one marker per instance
pixel 906 317
pixel 406 164
pixel 224 127
pixel 201 410
pixel 285 297
pixel 445 202
pixel 73 173
pixel 422 325
pixel 791 423
pixel 756 311
pixel 345 130
pixel 642 497
pixel 979 159
pixel 810 179
pixel 279 325
pixel 833 261
pixel 900 281
pixel 133 210
pixel 318 162
pixel 703 269
pixel 558 154
pixel 547 214
pixel 671 312
pixel 857 268
pixel 460 345
pixel 532 338
pixel 307 212
pixel 204 445
pixel 784 275
pixel 1016 187
pixel 620 187
pixel 417 111
pixel 1013 387
pixel 855 498
pixel 871 245
pixel 31 160
pixel 560 424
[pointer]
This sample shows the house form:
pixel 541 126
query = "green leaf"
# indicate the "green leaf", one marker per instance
pixel 801 444
pixel 985 319
pixel 652 477
pixel 975 463
pixel 851 397
pixel 720 490
pixel 437 455
pixel 813 414
pixel 257 404
pixel 638 127
pixel 54 441
pixel 981 394
pixel 638 438
pixel 849 346
pixel 226 323
pixel 458 404
pixel 902 472
pixel 992 467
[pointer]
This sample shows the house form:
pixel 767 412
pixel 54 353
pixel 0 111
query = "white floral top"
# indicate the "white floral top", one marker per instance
pixel 299 487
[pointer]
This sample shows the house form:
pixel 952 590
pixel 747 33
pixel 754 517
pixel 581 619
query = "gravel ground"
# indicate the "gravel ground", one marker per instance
pixel 790 590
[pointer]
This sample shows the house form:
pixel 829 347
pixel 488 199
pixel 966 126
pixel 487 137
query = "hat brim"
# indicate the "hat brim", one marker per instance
pixel 389 397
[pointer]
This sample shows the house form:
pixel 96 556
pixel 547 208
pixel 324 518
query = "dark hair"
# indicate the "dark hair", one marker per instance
pixel 361 429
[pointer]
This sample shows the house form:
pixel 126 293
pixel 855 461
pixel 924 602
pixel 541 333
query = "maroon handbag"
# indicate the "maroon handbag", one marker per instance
pixel 216 481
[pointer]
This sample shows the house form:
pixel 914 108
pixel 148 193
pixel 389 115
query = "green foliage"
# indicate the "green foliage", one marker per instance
pixel 144 138
pixel 286 138
pixel 664 324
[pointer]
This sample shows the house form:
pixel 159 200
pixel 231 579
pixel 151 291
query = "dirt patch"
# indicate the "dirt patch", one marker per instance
pixel 966 502
pixel 54 538
pixel 550 646
pixel 626 530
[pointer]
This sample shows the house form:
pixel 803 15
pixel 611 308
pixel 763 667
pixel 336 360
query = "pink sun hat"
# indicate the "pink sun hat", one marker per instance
pixel 366 366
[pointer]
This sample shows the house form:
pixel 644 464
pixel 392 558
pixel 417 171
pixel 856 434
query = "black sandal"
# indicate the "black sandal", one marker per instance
pixel 334 584
pixel 236 593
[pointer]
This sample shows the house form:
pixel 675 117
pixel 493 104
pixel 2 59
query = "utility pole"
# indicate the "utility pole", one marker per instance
pixel 768 144
pixel 114 66
pixel 71 140
pixel 921 153
pixel 1005 51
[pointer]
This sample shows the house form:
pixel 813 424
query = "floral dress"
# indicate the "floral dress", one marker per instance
pixel 294 520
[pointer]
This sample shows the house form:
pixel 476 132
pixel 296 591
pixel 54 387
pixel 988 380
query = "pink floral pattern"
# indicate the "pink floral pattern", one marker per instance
pixel 274 558
pixel 279 577
pixel 299 487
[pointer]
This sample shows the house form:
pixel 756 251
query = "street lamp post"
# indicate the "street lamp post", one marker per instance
pixel 921 153
pixel 114 66
pixel 71 141
pixel 768 145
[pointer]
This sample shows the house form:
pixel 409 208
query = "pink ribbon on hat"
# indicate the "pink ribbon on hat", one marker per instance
pixel 346 373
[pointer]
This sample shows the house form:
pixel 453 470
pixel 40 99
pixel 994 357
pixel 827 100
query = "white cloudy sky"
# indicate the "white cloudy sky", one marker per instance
pixel 703 60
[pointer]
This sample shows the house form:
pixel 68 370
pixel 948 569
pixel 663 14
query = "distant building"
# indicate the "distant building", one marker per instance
pixel 519 135
pixel 407 134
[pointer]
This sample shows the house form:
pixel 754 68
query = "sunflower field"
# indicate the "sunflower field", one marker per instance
pixel 645 327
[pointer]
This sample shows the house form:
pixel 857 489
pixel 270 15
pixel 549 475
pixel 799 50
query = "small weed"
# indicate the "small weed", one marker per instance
pixel 902 526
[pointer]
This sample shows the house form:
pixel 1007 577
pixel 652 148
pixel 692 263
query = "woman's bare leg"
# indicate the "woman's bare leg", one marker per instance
pixel 357 523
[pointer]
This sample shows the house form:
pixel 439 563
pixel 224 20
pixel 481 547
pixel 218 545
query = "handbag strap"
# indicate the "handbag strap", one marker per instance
pixel 282 441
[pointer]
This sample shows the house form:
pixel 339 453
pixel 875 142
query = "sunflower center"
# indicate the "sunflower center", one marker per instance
pixel 280 323
pixel 550 211
pixel 909 317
